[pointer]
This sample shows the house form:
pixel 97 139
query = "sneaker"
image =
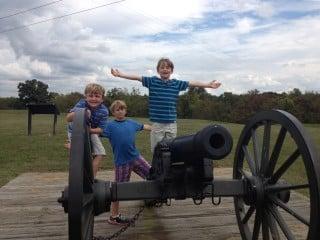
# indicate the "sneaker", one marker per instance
pixel 119 220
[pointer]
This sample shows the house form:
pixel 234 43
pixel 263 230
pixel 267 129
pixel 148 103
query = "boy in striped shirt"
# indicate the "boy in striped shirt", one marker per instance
pixel 163 97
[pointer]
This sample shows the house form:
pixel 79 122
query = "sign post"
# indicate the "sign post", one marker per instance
pixel 42 108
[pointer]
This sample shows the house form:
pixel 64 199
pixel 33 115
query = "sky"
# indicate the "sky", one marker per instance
pixel 244 44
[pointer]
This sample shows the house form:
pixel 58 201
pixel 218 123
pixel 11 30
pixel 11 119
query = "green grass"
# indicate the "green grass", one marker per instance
pixel 43 152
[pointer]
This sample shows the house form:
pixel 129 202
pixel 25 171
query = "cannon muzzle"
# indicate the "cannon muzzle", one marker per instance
pixel 213 142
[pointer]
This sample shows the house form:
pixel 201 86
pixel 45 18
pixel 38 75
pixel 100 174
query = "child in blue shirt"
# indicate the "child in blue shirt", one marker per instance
pixel 121 133
pixel 163 97
pixel 98 114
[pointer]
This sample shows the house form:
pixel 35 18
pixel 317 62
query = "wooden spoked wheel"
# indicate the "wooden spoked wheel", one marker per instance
pixel 80 193
pixel 278 162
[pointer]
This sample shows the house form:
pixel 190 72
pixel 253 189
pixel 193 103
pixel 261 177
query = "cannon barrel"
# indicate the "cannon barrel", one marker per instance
pixel 213 142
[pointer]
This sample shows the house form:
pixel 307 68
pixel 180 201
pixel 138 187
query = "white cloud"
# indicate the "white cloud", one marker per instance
pixel 40 68
pixel 245 44
pixel 244 25
pixel 13 71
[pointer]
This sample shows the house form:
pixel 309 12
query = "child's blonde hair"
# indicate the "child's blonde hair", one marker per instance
pixel 117 104
pixel 94 88
pixel 167 61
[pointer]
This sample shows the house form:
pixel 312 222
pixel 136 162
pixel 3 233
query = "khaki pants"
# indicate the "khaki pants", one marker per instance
pixel 160 131
pixel 97 146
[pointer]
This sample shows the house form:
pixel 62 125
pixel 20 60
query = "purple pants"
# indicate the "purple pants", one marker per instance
pixel 140 166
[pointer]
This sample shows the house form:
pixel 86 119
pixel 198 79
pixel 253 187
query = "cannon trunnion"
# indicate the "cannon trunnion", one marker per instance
pixel 271 148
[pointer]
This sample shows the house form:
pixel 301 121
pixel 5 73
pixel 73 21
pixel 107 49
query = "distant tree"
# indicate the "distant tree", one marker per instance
pixel 66 102
pixel 226 107
pixel 286 103
pixel 34 91
pixel 295 92
pixel 188 102
pixel 11 103
pixel 200 92
pixel 183 106
pixel 253 92
pixel 117 93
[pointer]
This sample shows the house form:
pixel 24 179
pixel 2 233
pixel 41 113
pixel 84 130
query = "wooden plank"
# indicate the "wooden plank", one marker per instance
pixel 29 210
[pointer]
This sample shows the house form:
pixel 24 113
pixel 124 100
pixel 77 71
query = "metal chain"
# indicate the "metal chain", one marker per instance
pixel 123 229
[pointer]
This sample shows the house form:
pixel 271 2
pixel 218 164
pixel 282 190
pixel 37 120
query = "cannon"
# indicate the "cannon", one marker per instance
pixel 272 147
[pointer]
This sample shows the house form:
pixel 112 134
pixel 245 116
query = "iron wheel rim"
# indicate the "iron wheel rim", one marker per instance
pixel 81 197
pixel 264 176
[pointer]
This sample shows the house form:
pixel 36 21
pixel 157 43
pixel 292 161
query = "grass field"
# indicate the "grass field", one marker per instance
pixel 43 152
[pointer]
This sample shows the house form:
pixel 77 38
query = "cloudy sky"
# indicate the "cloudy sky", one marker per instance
pixel 245 44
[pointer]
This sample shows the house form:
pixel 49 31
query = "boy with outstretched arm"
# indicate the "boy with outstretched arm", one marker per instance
pixel 121 133
pixel 163 96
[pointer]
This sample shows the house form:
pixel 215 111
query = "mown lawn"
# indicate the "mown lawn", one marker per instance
pixel 43 152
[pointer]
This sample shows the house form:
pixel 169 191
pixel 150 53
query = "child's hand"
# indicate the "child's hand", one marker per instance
pixel 214 84
pixel 115 72
pixel 147 127
pixel 88 113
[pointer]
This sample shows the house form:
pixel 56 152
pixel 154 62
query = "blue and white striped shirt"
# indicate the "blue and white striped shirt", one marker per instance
pixel 163 97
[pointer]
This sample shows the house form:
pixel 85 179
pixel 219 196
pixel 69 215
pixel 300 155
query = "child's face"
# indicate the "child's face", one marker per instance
pixel 164 71
pixel 94 99
pixel 119 113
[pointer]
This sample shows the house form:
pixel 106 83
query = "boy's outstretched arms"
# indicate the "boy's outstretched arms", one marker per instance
pixel 213 84
pixel 117 73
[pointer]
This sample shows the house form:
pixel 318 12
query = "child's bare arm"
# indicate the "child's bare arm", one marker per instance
pixel 213 84
pixel 95 130
pixel 70 117
pixel 117 73
pixel 147 127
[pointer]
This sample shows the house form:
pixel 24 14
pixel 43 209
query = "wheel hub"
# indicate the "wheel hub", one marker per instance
pixel 256 191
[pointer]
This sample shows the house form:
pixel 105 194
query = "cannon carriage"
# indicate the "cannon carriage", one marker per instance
pixel 272 145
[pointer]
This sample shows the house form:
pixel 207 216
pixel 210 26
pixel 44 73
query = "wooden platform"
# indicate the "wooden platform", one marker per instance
pixel 29 210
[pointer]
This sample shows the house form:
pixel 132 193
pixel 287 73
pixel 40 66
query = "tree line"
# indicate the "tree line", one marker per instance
pixel 196 103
